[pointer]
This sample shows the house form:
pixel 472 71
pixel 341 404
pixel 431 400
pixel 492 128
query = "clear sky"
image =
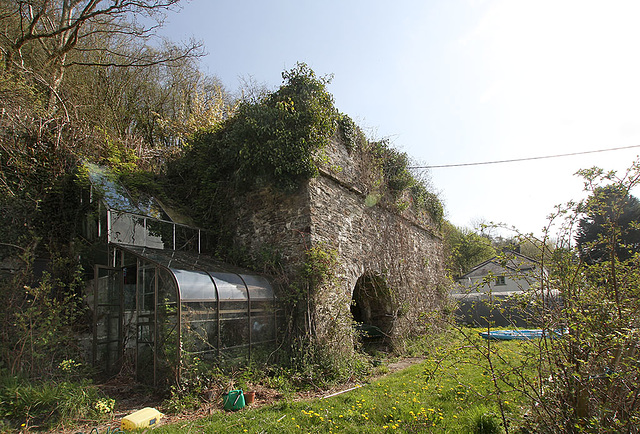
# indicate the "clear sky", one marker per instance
pixel 454 81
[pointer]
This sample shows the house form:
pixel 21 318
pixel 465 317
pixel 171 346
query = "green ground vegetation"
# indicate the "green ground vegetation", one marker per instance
pixel 453 390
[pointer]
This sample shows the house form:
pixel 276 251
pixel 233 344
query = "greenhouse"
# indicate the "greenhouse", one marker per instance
pixel 161 305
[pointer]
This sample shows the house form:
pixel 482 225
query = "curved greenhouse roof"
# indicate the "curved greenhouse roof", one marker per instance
pixel 201 278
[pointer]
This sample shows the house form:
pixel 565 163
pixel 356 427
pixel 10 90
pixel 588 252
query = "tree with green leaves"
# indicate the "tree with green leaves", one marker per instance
pixel 582 375
pixel 465 248
pixel 609 213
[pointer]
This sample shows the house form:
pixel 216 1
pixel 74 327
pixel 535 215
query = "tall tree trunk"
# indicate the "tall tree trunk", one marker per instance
pixel 60 54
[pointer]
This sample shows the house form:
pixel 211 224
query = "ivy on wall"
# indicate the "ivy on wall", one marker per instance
pixel 395 179
pixel 273 142
pixel 278 142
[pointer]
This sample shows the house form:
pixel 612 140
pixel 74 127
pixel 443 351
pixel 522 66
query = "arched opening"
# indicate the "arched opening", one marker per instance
pixel 372 306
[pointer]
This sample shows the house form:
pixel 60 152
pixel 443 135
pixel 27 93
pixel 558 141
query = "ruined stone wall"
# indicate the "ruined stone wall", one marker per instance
pixel 371 238
pixel 267 220
pixel 372 241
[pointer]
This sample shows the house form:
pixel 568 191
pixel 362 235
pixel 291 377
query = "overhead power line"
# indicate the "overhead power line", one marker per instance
pixel 522 159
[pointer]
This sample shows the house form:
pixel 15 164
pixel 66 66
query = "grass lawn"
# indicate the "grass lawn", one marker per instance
pixel 452 391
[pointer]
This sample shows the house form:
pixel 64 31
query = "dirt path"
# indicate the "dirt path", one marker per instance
pixel 404 363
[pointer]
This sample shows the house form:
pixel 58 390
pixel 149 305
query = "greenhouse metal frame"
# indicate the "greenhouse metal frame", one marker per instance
pixel 162 305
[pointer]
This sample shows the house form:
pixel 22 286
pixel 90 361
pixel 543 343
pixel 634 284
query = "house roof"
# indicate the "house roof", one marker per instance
pixel 510 261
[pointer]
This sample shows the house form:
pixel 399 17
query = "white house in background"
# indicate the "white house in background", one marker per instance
pixel 511 272
pixel 496 279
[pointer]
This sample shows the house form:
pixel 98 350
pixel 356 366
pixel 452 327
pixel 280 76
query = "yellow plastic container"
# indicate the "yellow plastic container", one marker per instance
pixel 141 419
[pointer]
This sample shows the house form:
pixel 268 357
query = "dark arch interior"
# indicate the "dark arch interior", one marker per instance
pixel 372 307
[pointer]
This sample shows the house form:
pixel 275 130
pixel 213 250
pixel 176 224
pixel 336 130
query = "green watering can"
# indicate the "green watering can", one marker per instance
pixel 233 400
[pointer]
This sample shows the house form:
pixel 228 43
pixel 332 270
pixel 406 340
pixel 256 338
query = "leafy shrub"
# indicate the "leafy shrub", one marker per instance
pixel 427 201
pixel 393 165
pixel 182 399
pixel 315 365
pixel 319 265
pixel 583 375
pixel 37 321
pixel 396 178
pixel 352 136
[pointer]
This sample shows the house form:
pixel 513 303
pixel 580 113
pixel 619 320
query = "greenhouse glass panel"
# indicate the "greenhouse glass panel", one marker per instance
pixel 192 260
pixel 150 207
pixel 200 335
pixel 187 239
pixel 230 286
pixel 208 242
pixel 146 288
pixel 259 287
pixel 194 285
pixel 108 319
pixel 146 332
pixel 263 324
pixel 135 230
pixel 130 279
pixel 102 223
pixel 262 329
pixel 110 190
pixel 168 339
pixel 234 324
pixel 160 257
pixel 159 234
pixel 127 229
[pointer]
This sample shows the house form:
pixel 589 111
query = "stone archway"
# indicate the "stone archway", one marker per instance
pixel 372 305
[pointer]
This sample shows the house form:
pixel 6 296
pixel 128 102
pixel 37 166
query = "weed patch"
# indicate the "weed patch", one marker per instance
pixel 28 404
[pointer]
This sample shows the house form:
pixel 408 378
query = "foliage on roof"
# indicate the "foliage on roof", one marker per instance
pixel 279 141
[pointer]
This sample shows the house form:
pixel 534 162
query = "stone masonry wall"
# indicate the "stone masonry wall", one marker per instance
pixel 371 239
pixel 266 220
pixel 374 241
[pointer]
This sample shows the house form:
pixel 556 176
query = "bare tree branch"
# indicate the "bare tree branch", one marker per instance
pixel 80 33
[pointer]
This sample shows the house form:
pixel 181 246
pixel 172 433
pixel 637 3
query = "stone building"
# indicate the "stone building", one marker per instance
pixel 347 250
pixel 160 298
pixel 389 269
